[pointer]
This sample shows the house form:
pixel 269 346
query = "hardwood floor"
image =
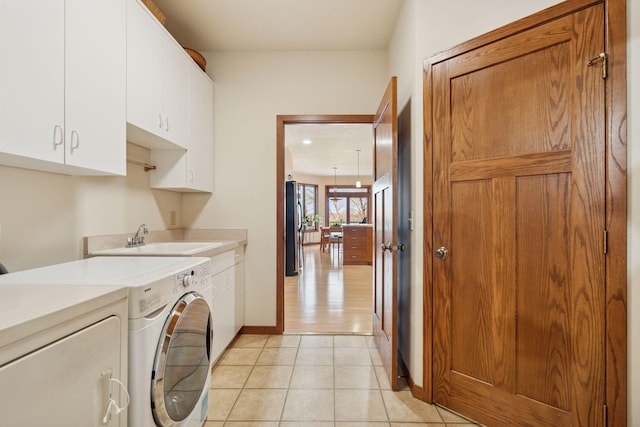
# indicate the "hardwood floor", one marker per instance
pixel 327 297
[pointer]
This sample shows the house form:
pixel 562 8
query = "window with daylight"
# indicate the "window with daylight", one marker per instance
pixel 308 196
pixel 347 204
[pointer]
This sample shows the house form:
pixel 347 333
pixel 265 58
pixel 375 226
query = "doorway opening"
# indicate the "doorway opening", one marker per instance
pixel 323 295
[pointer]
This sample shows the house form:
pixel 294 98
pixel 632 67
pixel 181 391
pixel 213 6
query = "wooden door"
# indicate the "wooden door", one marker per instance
pixel 519 139
pixel 385 293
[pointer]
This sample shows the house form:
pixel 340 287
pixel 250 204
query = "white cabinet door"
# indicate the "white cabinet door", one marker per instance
pixel 32 79
pixel 156 83
pixel 63 384
pixel 192 170
pixel 95 96
pixel 63 91
pixel 175 91
pixel 239 304
pixel 200 154
pixel 222 311
pixel 145 61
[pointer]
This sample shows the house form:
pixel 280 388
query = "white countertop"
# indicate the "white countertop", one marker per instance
pixel 28 309
pixel 173 248
pixel 131 271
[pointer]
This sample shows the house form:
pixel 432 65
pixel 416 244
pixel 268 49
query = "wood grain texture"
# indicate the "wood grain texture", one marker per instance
pixel 543 276
pixel 385 189
pixel 521 332
pixel 435 91
pixel 357 242
pixel 427 242
pixel 472 354
pixel 587 224
pixel 616 214
pixel 526 164
pixel 529 92
pixel 328 297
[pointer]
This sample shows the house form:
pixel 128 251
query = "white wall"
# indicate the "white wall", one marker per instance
pixel 44 216
pixel 633 203
pixel 251 89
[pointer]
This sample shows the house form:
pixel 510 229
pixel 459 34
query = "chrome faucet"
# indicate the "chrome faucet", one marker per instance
pixel 138 240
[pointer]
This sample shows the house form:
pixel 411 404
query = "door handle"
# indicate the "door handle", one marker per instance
pixel 442 253
pixel 389 247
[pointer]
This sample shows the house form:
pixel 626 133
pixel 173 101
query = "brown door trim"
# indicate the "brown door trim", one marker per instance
pixel 616 196
pixel 281 121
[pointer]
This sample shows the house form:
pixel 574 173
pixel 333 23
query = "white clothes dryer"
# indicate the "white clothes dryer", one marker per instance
pixel 170 330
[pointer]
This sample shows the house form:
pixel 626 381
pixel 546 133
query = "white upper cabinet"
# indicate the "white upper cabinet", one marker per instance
pixel 95 93
pixel 200 154
pixel 190 171
pixel 63 90
pixel 156 83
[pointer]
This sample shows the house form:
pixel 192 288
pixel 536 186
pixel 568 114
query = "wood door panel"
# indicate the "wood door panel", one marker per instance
pixel 527 164
pixel 518 200
pixel 531 93
pixel 543 269
pixel 500 406
pixel 385 319
pixel 471 295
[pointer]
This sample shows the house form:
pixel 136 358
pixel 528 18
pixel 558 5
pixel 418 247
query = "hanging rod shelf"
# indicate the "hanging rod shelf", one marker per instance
pixel 147 167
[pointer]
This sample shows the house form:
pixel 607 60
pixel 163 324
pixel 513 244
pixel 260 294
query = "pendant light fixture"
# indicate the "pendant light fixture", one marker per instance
pixel 358 183
pixel 335 184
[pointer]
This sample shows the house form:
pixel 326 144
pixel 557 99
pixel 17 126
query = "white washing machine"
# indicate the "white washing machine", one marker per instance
pixel 170 330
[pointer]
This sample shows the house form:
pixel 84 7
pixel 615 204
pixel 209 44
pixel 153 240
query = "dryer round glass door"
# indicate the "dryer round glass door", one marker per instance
pixel 182 360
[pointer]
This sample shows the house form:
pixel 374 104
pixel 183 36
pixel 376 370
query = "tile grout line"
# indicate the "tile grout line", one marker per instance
pixel 286 395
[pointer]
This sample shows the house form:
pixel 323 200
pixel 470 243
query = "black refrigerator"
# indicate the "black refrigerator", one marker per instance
pixel 293 222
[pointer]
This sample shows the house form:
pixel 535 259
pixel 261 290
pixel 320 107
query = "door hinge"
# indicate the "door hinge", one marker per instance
pixel 605 415
pixel 605 240
pixel 602 58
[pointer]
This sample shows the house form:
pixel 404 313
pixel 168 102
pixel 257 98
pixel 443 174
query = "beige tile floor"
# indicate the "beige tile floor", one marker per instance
pixel 312 381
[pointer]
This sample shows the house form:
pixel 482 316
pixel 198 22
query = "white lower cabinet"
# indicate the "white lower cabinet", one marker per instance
pixel 222 311
pixel 63 103
pixel 66 382
pixel 239 287
pixel 228 299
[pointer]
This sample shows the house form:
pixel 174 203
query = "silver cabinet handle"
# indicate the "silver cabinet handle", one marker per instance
pixel 58 136
pixel 75 142
pixel 160 121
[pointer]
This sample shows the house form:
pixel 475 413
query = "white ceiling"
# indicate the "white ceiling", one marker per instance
pixel 332 145
pixel 215 25
pixel 224 25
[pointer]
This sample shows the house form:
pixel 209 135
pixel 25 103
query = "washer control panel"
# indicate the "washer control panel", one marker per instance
pixel 147 299
pixel 193 279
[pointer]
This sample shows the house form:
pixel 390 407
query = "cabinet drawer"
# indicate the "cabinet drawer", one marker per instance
pixel 360 233
pixel 355 239
pixel 356 256
pixel 356 259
